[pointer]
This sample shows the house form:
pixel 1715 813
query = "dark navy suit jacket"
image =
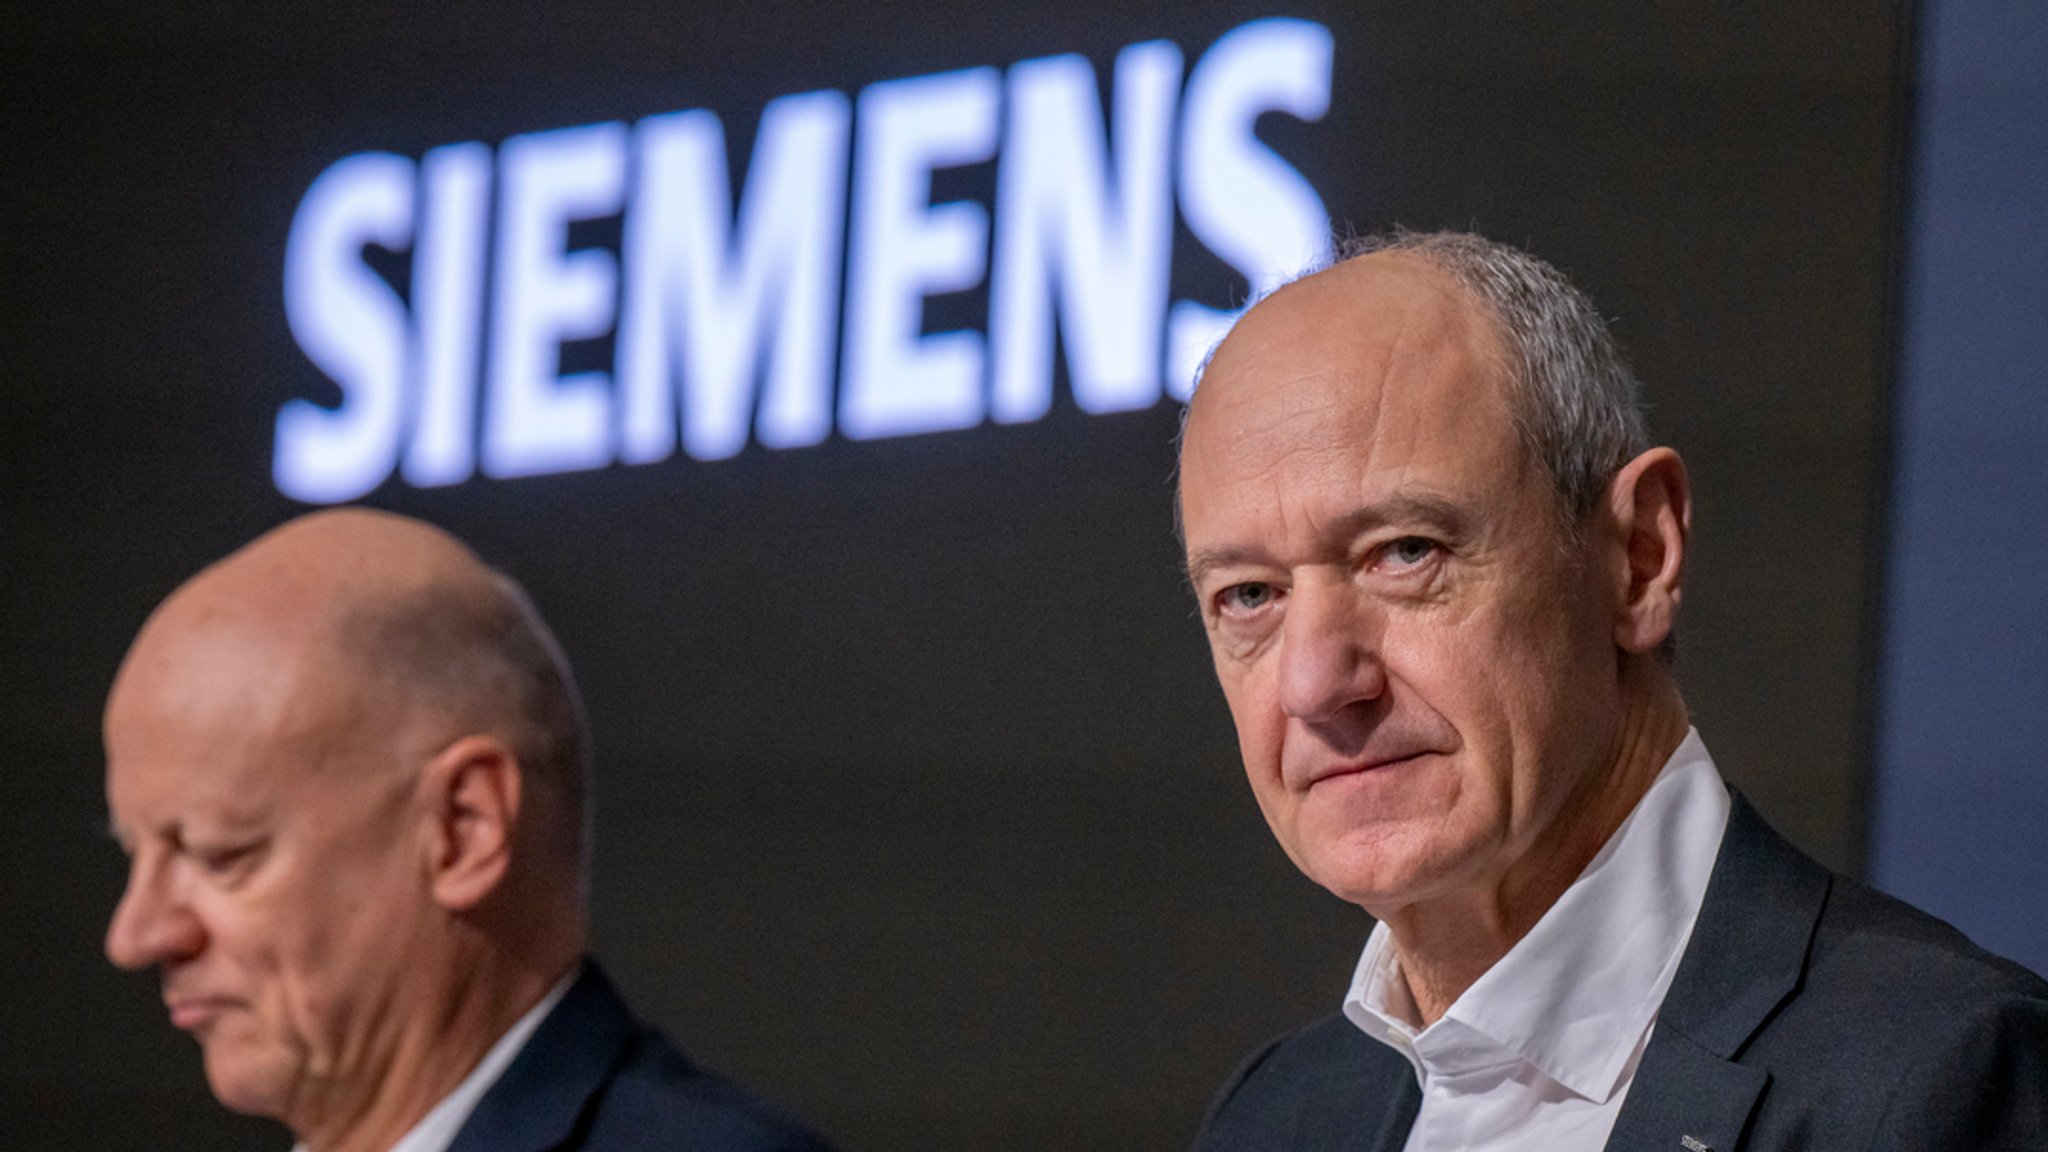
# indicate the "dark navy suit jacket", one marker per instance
pixel 1808 1013
pixel 593 1077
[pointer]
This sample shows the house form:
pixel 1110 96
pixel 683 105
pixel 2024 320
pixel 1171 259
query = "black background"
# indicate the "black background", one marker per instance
pixel 918 807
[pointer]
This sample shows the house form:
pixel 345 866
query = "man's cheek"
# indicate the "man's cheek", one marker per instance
pixel 1261 732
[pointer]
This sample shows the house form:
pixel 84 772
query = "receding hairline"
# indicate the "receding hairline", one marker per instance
pixel 390 628
pixel 1574 401
pixel 1465 312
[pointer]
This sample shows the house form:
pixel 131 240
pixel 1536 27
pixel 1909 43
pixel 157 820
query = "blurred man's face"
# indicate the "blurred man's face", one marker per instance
pixel 1421 666
pixel 274 879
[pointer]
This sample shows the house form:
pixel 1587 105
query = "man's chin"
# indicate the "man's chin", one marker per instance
pixel 1375 894
pixel 1381 872
pixel 247 1079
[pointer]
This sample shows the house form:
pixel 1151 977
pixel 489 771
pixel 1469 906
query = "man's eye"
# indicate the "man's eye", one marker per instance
pixel 222 861
pixel 1409 551
pixel 1247 597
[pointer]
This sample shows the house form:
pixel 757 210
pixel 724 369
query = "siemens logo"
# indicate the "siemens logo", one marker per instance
pixel 725 319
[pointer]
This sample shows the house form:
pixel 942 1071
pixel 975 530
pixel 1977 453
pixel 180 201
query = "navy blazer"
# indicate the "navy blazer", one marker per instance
pixel 593 1077
pixel 1808 1012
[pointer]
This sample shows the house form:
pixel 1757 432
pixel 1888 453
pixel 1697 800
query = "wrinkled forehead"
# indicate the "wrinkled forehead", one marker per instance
pixel 1372 360
pixel 225 699
pixel 1369 319
pixel 220 638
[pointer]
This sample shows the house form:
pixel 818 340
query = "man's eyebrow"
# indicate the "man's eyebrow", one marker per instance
pixel 1428 510
pixel 1202 561
pixel 1419 509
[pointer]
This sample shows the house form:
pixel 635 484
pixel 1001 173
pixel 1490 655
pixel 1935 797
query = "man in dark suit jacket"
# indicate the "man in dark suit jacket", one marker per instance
pixel 1439 564
pixel 348 766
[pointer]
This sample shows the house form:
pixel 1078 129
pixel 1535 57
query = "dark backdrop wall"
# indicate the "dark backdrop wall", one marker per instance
pixel 918 806
pixel 1960 797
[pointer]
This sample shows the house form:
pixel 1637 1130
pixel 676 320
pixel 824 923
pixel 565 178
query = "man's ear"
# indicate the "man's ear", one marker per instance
pixel 1650 501
pixel 472 790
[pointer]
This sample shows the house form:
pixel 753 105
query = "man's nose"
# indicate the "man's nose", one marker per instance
pixel 1329 651
pixel 151 925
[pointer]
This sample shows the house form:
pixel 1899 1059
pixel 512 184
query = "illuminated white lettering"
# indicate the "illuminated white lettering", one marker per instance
pixel 447 308
pixel 710 283
pixel 724 308
pixel 351 325
pixel 538 420
pixel 1105 241
pixel 1242 200
pixel 904 248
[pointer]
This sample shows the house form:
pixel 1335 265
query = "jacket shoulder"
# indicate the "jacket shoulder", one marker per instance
pixel 1905 1034
pixel 1868 937
pixel 1325 1085
pixel 658 1100
pixel 594 1076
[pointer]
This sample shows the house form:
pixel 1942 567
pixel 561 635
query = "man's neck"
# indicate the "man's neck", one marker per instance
pixel 1447 943
pixel 440 1042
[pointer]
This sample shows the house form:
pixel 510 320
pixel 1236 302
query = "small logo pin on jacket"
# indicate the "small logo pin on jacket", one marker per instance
pixel 1694 1144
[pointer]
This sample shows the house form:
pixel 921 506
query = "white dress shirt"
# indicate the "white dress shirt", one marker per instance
pixel 437 1129
pixel 1540 1051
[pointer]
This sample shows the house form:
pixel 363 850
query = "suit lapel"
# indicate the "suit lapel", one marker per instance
pixel 1684 1092
pixel 540 1101
pixel 1747 955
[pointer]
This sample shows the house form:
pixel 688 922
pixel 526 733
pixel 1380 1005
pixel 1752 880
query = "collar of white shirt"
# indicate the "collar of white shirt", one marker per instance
pixel 437 1129
pixel 1575 998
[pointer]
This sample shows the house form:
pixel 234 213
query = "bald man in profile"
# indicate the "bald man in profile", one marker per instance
pixel 347 765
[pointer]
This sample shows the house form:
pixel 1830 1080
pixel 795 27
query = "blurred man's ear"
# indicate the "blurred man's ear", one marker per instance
pixel 472 790
pixel 1650 502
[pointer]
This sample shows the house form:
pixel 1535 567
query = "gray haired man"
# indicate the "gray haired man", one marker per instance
pixel 1440 565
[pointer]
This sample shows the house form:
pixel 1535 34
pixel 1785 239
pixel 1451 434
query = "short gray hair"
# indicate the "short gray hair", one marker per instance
pixel 481 655
pixel 1575 403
